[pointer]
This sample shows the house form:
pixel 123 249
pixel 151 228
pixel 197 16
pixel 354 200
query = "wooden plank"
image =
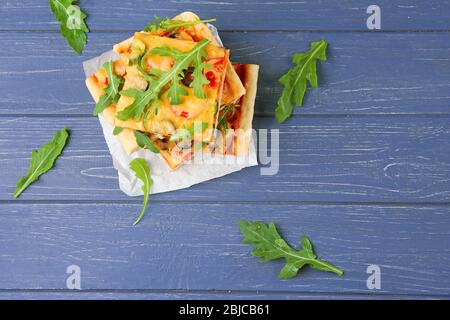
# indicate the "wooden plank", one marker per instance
pixel 189 295
pixel 367 158
pixel 197 246
pixel 237 15
pixel 367 73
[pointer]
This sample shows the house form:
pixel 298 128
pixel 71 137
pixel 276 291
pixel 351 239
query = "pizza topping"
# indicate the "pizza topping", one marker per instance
pixel 227 114
pixel 159 79
pixel 120 67
pixel 170 25
pixel 111 91
pixel 188 78
pixel 190 106
pixel 136 50
pixel 102 77
pixel 211 77
pixel 155 61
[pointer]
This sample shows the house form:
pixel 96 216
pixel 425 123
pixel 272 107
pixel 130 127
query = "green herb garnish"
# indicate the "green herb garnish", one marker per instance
pixel 295 80
pixel 143 141
pixel 72 24
pixel 158 79
pixel 142 172
pixel 270 246
pixel 42 160
pixel 117 130
pixel 187 133
pixel 227 111
pixel 172 25
pixel 111 91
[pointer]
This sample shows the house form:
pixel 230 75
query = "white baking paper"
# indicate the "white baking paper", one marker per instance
pixel 206 168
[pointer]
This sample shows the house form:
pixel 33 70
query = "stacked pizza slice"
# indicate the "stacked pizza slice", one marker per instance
pixel 175 92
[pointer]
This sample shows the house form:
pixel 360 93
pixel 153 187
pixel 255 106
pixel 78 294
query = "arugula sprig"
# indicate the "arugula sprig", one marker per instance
pixel 143 140
pixel 72 24
pixel 169 24
pixel 142 172
pixel 42 160
pixel 295 80
pixel 159 79
pixel 270 246
pixel 111 91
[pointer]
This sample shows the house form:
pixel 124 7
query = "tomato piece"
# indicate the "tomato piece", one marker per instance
pixel 211 77
pixel 219 65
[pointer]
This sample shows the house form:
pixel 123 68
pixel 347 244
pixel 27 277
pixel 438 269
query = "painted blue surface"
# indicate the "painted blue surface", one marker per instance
pixel 364 168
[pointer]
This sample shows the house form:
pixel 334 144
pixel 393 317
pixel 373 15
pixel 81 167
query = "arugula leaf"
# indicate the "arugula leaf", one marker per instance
pixel 227 111
pixel 142 172
pixel 270 246
pixel 187 133
pixel 143 141
pixel 172 25
pixel 199 78
pixel 111 91
pixel 42 160
pixel 72 24
pixel 117 131
pixel 295 80
pixel 158 79
pixel 182 61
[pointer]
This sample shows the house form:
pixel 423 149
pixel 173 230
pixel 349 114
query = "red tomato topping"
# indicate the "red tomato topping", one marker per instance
pixel 219 64
pixel 211 78
pixel 184 114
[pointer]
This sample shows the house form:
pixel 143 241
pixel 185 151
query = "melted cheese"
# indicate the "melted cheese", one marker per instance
pixel 151 41
pixel 192 109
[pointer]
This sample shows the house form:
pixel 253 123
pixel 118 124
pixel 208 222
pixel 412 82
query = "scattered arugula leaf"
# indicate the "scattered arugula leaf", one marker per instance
pixel 158 79
pixel 172 25
pixel 72 24
pixel 142 172
pixel 295 80
pixel 143 141
pixel 42 160
pixel 188 133
pixel 270 246
pixel 111 91
pixel 117 131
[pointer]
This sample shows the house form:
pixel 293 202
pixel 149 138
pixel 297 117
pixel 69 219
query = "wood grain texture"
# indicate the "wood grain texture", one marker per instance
pixel 375 159
pixel 236 14
pixel 194 295
pixel 192 246
pixel 364 168
pixel 366 73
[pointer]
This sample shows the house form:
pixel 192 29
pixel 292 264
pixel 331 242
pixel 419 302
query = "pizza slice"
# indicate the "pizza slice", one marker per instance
pixel 234 128
pixel 162 92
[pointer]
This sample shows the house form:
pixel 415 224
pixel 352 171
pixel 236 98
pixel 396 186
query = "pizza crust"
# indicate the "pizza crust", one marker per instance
pixel 247 108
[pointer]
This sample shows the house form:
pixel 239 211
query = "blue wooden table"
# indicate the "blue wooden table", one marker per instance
pixel 364 168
